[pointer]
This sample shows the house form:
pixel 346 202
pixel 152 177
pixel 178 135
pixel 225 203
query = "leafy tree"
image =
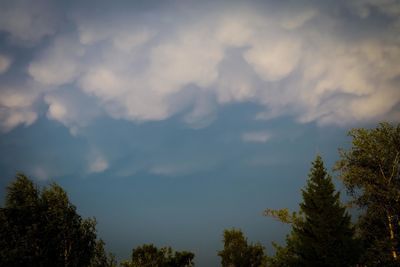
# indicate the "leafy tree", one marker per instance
pixel 321 233
pixel 370 171
pixel 70 239
pixel 20 231
pixel 238 253
pixel 101 258
pixel 43 228
pixel 284 255
pixel 149 255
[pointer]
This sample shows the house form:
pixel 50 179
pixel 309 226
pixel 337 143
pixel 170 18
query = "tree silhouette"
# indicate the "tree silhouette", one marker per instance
pixel 43 228
pixel 325 236
pixel 238 253
pixel 321 234
pixel 370 170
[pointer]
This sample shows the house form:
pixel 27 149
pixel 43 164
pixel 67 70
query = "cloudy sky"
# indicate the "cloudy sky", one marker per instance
pixel 170 121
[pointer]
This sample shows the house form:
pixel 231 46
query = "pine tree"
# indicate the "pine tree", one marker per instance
pixel 324 237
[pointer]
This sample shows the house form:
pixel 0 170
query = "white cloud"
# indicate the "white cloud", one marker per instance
pixel 295 20
pixel 59 63
pixel 192 58
pixel 128 41
pixel 274 58
pixel 5 63
pixel 235 28
pixel 16 105
pixel 56 111
pixel 291 62
pixel 202 114
pixel 256 137
pixel 97 164
pixel 10 119
pixel 71 108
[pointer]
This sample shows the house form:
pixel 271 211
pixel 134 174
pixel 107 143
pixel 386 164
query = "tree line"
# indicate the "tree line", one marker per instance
pixel 40 226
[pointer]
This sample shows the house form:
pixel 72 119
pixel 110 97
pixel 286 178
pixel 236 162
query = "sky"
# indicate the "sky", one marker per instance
pixel 170 121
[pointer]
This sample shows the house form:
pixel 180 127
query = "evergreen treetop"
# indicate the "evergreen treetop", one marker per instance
pixel 325 235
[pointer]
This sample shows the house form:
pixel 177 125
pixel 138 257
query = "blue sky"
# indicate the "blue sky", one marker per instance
pixel 170 121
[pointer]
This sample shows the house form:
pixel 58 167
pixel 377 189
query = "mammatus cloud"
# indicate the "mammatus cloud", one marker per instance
pixel 5 63
pixel 97 163
pixel 309 62
pixel 71 108
pixel 17 105
pixel 256 137
pixel 26 23
pixel 59 64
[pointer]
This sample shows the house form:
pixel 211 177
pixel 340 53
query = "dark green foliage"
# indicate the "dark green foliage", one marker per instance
pixel 43 228
pixel 325 236
pixel 238 253
pixel 101 258
pixel 370 171
pixel 321 232
pixel 19 236
pixel 285 255
pixel 149 255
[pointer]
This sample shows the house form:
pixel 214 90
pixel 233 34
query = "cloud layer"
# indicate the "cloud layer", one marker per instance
pixel 256 137
pixel 326 63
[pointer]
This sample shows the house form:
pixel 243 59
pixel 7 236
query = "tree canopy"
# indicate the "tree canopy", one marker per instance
pixel 149 255
pixel 238 253
pixel 322 234
pixel 370 171
pixel 42 228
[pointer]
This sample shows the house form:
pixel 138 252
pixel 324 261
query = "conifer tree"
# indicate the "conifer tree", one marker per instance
pixel 325 236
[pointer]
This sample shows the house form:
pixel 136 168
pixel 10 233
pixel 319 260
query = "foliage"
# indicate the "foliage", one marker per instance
pixel 283 215
pixel 322 234
pixel 325 237
pixel 149 255
pixel 284 255
pixel 43 228
pixel 370 171
pixel 101 258
pixel 238 253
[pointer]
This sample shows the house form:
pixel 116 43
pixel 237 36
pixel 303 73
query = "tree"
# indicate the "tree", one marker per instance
pixel 321 233
pixel 284 255
pixel 70 239
pixel 325 236
pixel 19 225
pixel 238 253
pixel 370 171
pixel 101 258
pixel 149 255
pixel 43 228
